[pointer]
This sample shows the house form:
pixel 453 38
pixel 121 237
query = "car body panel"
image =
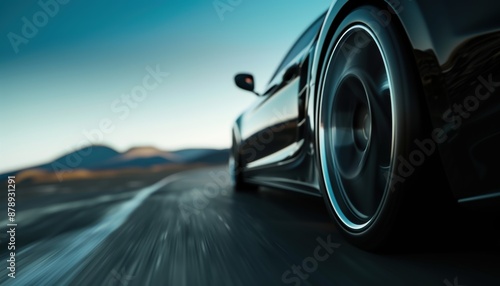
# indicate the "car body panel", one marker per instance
pixel 271 124
pixel 457 58
pixel 456 47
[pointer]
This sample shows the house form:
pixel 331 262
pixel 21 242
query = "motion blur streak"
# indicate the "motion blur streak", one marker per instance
pixel 232 239
pixel 57 259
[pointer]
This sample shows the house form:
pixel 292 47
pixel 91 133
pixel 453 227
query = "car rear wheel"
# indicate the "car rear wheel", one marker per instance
pixel 369 114
pixel 236 173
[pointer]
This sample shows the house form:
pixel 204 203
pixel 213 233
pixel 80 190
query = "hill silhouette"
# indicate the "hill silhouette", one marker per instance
pixel 99 158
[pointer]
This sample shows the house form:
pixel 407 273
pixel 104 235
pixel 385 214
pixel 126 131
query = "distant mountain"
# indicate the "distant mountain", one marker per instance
pixel 149 151
pixel 103 158
pixel 86 158
pixel 124 163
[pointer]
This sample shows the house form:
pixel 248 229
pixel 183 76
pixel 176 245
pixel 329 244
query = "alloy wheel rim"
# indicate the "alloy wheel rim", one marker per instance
pixel 357 129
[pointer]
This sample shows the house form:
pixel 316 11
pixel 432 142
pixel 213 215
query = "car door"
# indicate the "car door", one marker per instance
pixel 269 129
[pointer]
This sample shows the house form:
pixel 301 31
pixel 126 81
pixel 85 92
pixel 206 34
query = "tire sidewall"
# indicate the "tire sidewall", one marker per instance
pixel 406 116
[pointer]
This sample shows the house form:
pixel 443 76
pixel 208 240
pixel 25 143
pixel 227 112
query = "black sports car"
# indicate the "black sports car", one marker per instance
pixel 385 110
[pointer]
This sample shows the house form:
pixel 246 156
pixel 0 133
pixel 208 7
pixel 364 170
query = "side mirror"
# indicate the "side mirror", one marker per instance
pixel 245 81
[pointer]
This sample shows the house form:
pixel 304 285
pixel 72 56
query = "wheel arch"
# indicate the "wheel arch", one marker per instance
pixel 414 26
pixel 414 34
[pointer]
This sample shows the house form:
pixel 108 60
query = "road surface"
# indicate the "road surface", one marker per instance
pixel 189 228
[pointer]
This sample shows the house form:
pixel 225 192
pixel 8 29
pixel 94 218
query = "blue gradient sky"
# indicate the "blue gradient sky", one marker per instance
pixel 62 82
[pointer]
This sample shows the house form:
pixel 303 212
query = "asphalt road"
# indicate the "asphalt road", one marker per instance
pixel 191 229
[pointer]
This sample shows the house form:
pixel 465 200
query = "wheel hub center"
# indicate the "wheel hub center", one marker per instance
pixel 362 127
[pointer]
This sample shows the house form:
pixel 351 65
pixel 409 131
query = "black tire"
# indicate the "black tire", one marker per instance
pixel 370 112
pixel 236 172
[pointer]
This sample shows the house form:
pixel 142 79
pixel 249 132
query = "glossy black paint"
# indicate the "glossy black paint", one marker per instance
pixel 456 46
pixel 245 81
